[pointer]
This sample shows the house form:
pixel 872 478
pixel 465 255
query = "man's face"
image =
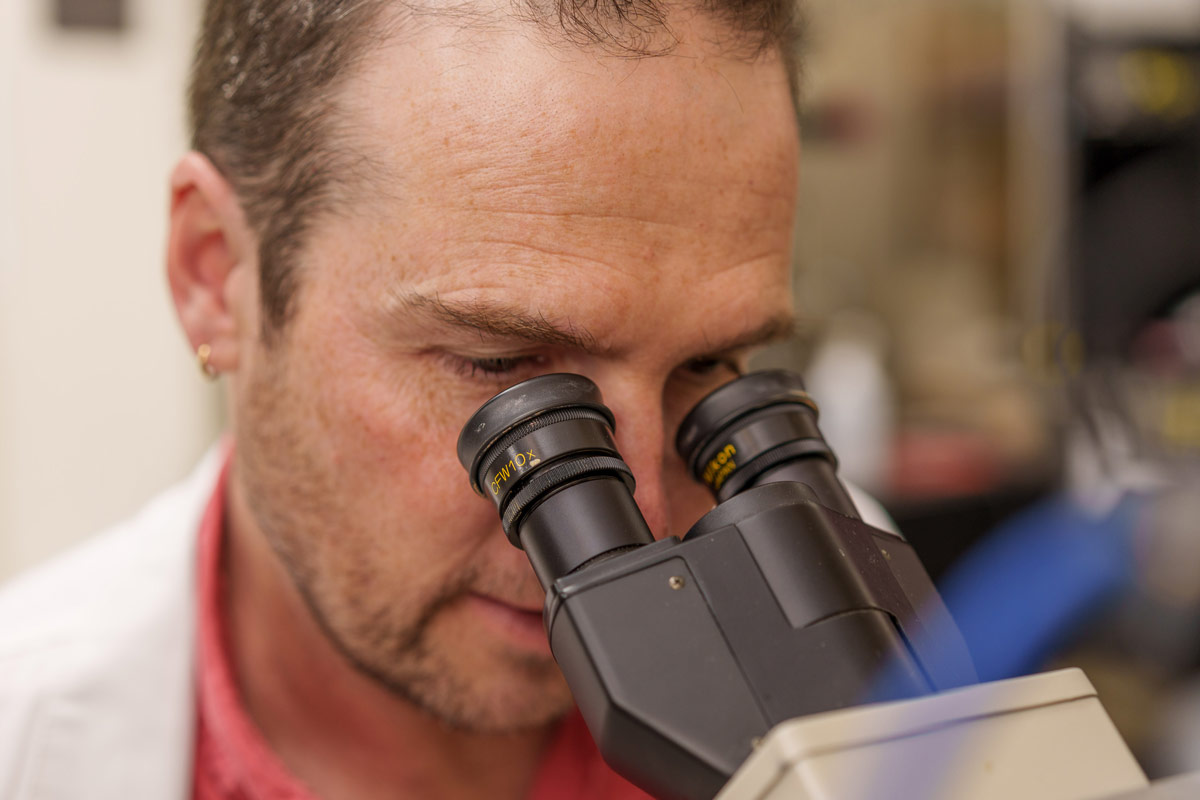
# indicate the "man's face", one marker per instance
pixel 529 210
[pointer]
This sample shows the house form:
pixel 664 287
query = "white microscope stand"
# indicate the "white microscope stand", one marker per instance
pixel 1043 737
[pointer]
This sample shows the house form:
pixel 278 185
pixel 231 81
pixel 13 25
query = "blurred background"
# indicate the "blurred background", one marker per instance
pixel 999 281
pixel 998 274
pixel 100 400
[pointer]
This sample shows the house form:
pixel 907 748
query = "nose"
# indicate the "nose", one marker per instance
pixel 638 409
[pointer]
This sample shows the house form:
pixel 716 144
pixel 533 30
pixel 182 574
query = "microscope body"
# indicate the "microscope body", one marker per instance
pixel 682 655
pixel 780 633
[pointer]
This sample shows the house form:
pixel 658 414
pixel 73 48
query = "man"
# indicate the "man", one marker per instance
pixel 392 213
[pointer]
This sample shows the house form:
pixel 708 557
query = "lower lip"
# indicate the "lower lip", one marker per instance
pixel 522 627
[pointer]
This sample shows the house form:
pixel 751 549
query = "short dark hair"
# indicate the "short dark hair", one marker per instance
pixel 266 73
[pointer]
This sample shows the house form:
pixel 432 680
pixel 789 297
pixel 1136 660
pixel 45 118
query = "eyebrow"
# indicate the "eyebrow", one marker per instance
pixel 500 321
pixel 776 329
pixel 497 321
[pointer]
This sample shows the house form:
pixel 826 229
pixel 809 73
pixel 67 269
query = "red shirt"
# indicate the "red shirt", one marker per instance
pixel 234 762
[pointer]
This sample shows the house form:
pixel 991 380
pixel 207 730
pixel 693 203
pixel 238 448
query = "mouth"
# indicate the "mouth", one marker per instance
pixel 520 625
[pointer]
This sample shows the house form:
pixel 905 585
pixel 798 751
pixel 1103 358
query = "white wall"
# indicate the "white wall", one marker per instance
pixel 100 401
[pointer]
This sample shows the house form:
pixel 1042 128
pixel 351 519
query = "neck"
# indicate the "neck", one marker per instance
pixel 340 732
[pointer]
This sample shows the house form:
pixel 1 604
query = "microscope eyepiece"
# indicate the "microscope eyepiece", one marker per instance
pixel 760 428
pixel 543 451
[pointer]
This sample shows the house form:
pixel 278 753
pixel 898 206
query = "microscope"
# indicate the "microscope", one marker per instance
pixel 782 648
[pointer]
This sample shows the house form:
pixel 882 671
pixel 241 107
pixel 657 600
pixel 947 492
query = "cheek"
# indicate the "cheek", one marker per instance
pixel 393 447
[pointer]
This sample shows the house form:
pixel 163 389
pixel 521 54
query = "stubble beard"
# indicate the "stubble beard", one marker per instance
pixel 291 499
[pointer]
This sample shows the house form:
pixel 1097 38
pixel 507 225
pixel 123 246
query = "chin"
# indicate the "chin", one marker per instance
pixel 495 686
pixel 489 668
pixel 493 705
pixel 469 662
pixel 517 713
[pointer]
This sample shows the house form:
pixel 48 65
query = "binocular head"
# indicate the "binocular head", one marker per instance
pixel 778 603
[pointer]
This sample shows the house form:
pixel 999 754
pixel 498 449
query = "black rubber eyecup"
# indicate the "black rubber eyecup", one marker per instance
pixel 713 415
pixel 520 404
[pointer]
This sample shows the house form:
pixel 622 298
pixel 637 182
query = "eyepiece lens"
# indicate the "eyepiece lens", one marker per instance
pixel 524 403
pixel 543 451
pixel 757 429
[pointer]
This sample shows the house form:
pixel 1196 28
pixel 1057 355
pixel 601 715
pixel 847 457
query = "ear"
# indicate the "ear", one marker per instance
pixel 211 262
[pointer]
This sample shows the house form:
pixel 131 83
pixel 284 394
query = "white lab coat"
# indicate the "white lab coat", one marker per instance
pixel 97 697
pixel 97 658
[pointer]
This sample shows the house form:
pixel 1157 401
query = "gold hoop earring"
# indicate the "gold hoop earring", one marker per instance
pixel 203 354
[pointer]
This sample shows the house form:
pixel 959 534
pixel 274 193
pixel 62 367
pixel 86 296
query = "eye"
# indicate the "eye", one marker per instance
pixel 711 365
pixel 494 367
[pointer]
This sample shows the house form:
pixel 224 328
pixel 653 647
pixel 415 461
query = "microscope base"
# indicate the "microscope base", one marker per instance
pixel 1042 737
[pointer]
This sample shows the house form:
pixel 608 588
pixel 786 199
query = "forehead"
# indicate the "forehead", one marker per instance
pixel 493 151
pixel 491 104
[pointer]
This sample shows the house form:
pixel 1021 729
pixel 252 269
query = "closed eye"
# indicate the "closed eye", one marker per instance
pixel 494 367
pixel 710 364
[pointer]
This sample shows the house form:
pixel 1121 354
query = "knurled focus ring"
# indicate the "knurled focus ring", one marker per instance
pixel 803 448
pixel 494 451
pixel 558 474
